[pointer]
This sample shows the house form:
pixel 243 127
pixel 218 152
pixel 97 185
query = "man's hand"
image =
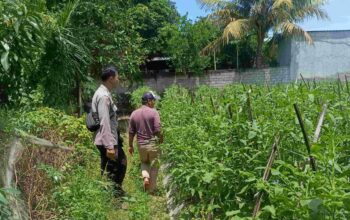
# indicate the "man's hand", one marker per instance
pixel 111 154
pixel 131 143
pixel 131 150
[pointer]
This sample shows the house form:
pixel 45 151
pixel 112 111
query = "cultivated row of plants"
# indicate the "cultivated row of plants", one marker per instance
pixel 218 143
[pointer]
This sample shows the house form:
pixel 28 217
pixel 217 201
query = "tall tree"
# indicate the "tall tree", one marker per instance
pixel 151 16
pixel 183 42
pixel 36 42
pixel 241 17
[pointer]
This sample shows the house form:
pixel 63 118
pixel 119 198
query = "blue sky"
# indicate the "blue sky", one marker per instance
pixel 338 12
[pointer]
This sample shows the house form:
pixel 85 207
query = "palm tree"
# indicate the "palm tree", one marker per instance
pixel 238 18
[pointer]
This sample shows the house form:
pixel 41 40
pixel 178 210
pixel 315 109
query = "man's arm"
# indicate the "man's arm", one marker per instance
pixel 158 128
pixel 160 136
pixel 132 132
pixel 105 133
pixel 131 143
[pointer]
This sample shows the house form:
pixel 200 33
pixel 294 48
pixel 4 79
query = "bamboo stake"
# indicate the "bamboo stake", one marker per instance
pixel 244 89
pixel 306 139
pixel 266 175
pixel 230 111
pixel 192 97
pixel 339 82
pixel 268 87
pixel 347 85
pixel 212 104
pixel 39 141
pixel 315 84
pixel 339 89
pixel 319 125
pixel 307 85
pixel 250 111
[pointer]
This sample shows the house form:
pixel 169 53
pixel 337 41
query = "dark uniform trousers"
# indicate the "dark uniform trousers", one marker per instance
pixel 116 169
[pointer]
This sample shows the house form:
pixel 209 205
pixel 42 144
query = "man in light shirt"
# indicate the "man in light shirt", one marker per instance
pixel 113 158
pixel 145 124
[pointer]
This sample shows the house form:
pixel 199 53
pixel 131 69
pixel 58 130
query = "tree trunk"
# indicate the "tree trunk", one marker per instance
pixel 259 59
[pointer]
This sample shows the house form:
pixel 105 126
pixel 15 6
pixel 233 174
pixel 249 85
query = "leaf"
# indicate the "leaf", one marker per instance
pixel 188 179
pixel 251 134
pixel 243 141
pixel 232 213
pixel 4 60
pixel 271 209
pixel 305 202
pixel 311 97
pixel 208 177
pixel 337 167
pixel 17 25
pixel 243 190
pixel 5 45
pixel 251 179
pixel 315 148
pixel 314 204
pixel 275 172
pixel 346 202
pixel 3 200
pixel 278 190
pixel 35 25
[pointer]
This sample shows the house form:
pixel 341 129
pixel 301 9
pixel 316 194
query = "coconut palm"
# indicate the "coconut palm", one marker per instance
pixel 241 17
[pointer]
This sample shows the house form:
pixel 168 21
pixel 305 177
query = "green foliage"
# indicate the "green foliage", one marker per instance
pixel 63 67
pixel 5 206
pixel 5 210
pixel 137 95
pixel 150 17
pixel 110 35
pixel 184 41
pixel 227 56
pixel 217 155
pixel 83 196
pixel 39 49
pixel 241 18
pixel 78 186
pixel 32 100
pixel 22 36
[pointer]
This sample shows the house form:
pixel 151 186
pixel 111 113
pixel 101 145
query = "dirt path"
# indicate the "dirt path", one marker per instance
pixel 137 204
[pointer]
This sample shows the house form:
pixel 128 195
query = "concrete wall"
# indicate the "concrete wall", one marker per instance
pixel 218 79
pixel 327 57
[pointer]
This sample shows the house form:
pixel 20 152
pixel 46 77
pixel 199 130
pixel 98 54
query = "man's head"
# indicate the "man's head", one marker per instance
pixel 149 99
pixel 110 76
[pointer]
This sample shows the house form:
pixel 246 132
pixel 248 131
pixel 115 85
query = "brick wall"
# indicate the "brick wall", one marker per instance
pixel 218 79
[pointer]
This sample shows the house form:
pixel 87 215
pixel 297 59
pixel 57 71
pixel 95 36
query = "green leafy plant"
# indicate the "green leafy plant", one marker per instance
pixel 5 210
pixel 218 141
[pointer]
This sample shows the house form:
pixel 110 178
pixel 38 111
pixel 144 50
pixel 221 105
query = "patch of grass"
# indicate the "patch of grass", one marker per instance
pixel 137 204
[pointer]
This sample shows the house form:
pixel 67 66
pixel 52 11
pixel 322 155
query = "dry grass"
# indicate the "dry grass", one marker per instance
pixel 34 182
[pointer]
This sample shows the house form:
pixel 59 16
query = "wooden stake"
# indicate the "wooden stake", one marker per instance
pixel 306 139
pixel 230 111
pixel 315 84
pixel 212 104
pixel 339 88
pixel 249 105
pixel 347 85
pixel 339 81
pixel 39 141
pixel 319 124
pixel 266 175
pixel 307 85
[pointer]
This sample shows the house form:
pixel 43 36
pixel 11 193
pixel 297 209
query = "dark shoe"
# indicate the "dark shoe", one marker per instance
pixel 119 192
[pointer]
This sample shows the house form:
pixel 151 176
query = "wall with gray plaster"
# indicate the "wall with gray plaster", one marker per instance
pixel 327 57
pixel 217 79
